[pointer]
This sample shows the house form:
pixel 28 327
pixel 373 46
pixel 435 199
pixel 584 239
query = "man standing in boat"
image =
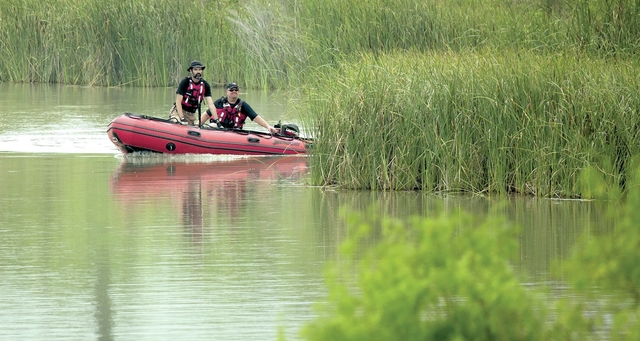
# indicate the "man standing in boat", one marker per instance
pixel 231 111
pixel 191 91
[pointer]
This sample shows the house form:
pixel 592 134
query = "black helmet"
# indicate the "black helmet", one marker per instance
pixel 195 63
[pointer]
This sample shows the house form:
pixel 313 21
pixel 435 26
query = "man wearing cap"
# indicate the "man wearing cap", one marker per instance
pixel 232 111
pixel 191 91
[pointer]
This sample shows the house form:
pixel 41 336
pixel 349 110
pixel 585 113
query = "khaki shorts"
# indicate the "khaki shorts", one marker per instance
pixel 190 116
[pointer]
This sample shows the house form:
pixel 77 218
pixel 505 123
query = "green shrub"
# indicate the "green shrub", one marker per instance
pixel 450 278
pixel 444 278
pixel 604 270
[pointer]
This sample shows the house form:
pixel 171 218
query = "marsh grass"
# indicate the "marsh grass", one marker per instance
pixel 271 44
pixel 485 122
pixel 140 43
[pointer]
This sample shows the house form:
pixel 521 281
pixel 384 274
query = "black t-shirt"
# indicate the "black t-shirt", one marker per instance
pixel 245 108
pixel 184 85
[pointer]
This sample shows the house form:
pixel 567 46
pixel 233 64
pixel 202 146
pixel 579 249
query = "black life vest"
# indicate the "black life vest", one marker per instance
pixel 193 96
pixel 231 116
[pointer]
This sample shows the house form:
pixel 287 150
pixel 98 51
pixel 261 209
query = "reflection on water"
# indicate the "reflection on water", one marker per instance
pixel 104 309
pixel 252 267
pixel 549 228
pixel 156 248
pixel 197 189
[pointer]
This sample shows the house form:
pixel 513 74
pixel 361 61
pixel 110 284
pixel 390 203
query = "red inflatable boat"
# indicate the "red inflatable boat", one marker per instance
pixel 131 133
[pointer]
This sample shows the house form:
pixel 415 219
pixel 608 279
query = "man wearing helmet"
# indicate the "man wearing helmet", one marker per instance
pixel 191 91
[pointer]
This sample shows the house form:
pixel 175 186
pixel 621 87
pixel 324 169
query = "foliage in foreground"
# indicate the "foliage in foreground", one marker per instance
pixel 441 278
pixel 610 263
pixel 450 278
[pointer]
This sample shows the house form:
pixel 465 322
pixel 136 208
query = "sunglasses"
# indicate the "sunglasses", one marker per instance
pixel 234 89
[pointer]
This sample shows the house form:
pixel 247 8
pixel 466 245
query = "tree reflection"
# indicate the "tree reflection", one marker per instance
pixel 104 308
pixel 192 211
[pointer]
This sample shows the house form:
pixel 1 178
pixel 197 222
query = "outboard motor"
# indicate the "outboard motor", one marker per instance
pixel 287 129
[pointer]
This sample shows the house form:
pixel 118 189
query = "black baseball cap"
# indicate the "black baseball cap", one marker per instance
pixel 232 85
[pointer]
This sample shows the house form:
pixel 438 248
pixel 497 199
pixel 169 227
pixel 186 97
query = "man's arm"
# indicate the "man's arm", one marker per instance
pixel 179 106
pixel 264 124
pixel 212 109
pixel 253 115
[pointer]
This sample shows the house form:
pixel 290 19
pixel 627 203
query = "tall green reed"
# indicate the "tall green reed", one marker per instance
pixel 609 26
pixel 276 43
pixel 486 122
pixel 141 43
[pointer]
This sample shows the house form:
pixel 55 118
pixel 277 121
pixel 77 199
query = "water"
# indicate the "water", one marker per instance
pixel 95 245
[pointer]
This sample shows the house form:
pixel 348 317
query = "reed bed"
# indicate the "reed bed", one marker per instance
pixel 139 43
pixel 485 122
pixel 273 44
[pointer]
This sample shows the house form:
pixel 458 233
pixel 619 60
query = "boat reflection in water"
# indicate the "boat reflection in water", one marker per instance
pixel 201 187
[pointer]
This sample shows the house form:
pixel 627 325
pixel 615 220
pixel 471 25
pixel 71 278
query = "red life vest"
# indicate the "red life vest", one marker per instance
pixel 230 116
pixel 193 96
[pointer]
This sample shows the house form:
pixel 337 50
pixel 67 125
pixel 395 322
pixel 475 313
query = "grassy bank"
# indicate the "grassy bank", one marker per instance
pixel 484 122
